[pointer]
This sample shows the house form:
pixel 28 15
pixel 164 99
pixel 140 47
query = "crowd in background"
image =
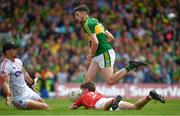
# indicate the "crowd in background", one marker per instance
pixel 53 48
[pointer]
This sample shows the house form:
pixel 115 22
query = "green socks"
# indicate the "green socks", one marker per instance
pixel 129 67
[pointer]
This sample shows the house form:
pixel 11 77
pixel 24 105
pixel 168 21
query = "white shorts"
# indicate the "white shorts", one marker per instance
pixel 101 103
pixel 21 101
pixel 105 59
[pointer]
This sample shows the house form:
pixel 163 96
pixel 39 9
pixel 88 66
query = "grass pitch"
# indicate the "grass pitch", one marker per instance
pixel 60 107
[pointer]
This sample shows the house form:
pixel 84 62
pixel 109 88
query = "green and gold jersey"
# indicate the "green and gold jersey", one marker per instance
pixel 92 26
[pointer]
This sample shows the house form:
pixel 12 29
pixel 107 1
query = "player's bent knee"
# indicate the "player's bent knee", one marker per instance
pixel 45 107
pixel 110 82
pixel 37 105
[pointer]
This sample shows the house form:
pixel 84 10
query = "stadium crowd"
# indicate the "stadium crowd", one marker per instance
pixel 53 48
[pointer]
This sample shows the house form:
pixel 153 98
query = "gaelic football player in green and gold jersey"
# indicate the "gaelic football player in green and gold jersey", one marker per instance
pixel 101 53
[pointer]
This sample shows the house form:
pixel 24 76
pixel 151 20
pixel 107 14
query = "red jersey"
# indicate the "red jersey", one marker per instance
pixel 88 99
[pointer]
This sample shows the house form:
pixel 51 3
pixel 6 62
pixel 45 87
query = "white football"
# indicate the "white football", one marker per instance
pixel 74 94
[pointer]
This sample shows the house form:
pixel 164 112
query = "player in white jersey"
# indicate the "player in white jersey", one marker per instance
pixel 17 83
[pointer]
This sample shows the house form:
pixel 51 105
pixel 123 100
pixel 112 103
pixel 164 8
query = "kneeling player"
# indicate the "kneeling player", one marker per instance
pixel 94 100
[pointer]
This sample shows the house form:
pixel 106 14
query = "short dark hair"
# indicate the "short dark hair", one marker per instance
pixel 89 85
pixel 81 8
pixel 8 45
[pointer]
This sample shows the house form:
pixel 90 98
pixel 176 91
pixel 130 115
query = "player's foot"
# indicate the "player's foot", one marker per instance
pixel 116 102
pixel 154 95
pixel 136 64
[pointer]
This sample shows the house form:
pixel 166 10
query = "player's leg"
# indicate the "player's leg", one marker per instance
pixel 108 72
pixel 41 100
pixel 103 104
pixel 26 103
pixel 142 102
pixel 111 77
pixel 107 64
pixel 32 104
pixel 123 105
pixel 34 101
pixel 92 71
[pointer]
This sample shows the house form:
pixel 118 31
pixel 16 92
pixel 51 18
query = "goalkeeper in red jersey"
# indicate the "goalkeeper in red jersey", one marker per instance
pixel 91 99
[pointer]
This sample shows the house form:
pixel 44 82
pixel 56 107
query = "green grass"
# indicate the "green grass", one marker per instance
pixel 60 107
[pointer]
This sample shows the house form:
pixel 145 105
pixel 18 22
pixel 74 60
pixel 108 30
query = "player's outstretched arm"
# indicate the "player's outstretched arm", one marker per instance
pixel 6 90
pixel 73 106
pixel 109 36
